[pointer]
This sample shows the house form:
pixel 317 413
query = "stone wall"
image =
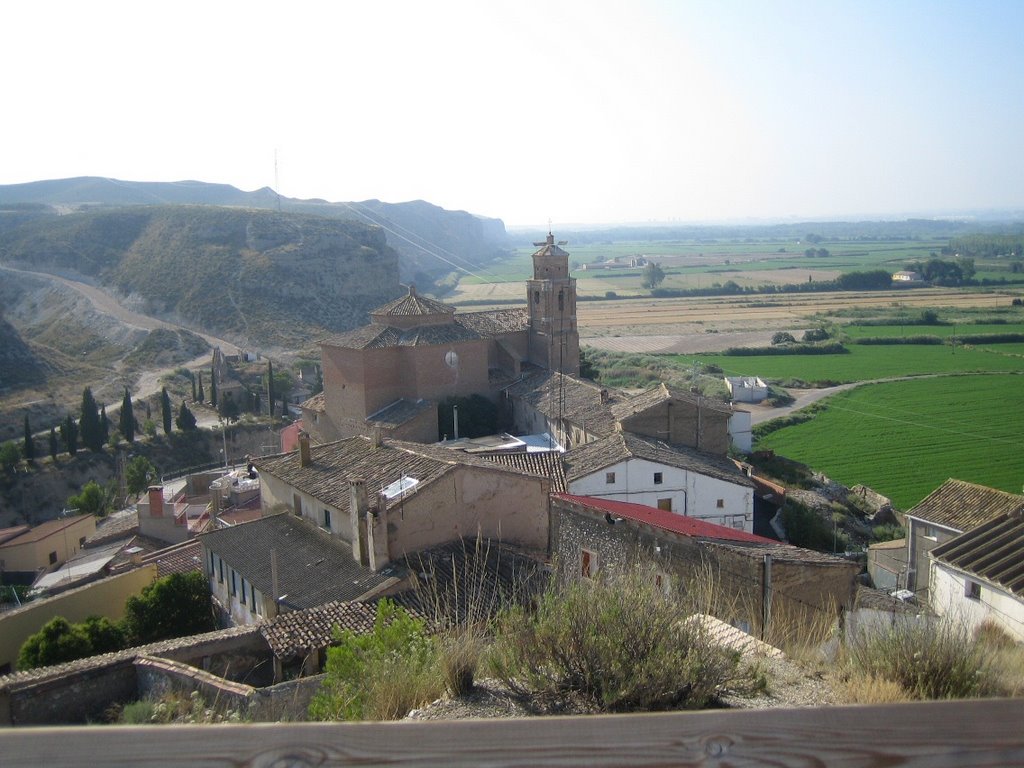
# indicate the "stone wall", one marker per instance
pixel 77 698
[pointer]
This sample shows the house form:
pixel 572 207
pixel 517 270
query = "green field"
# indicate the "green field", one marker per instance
pixel 868 362
pixel 942 331
pixel 903 439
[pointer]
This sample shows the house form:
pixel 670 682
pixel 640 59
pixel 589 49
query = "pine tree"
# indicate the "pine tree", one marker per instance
pixel 54 445
pixel 270 386
pixel 202 395
pixel 29 449
pixel 89 422
pixel 127 417
pixel 186 421
pixel 166 412
pixel 213 388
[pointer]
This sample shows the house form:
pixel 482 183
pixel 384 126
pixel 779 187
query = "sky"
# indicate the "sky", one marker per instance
pixel 574 112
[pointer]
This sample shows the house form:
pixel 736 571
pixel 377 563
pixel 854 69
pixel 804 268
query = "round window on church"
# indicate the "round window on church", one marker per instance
pixel 451 359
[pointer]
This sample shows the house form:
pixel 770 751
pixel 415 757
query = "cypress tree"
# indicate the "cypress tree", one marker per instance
pixel 69 434
pixel 89 422
pixel 54 445
pixel 29 449
pixel 270 386
pixel 193 387
pixel 186 421
pixel 213 388
pixel 104 425
pixel 202 395
pixel 165 408
pixel 256 402
pixel 127 417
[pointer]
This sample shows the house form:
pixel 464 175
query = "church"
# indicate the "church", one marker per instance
pixel 390 375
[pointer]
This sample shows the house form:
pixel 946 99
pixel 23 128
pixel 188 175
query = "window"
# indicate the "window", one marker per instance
pixel 234 583
pixel 609 478
pixel 327 519
pixel 561 301
pixel 213 565
pixel 252 602
pixel 81 541
pixel 588 563
pixel 243 590
pixel 665 504
pixel 53 558
pixel 220 574
pixel 972 590
pixel 297 504
pixel 658 478
pixel 721 504
pixel 536 297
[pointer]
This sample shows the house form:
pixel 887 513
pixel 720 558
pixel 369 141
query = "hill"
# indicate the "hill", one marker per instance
pixel 428 239
pixel 263 277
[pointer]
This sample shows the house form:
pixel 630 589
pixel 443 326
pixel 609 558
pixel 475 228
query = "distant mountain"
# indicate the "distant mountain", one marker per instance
pixel 261 276
pixel 430 240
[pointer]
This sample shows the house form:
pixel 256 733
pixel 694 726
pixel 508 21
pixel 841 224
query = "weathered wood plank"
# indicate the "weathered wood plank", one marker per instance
pixel 954 734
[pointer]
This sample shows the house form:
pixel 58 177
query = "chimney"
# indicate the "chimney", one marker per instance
pixel 377 535
pixel 357 508
pixel 304 457
pixel 156 501
pixel 412 289
pixel 376 438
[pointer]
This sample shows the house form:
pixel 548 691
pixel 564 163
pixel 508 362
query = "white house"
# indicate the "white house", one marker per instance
pixel 979 575
pixel 679 479
pixel 746 389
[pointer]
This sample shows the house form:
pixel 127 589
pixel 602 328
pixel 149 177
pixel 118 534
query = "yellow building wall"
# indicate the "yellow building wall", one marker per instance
pixel 35 555
pixel 101 598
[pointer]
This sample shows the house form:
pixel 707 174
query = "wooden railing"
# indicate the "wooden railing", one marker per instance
pixel 955 734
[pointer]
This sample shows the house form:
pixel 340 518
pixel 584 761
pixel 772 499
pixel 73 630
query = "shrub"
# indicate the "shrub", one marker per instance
pixel 610 646
pixel 928 661
pixel 815 334
pixel 381 675
pixel 781 337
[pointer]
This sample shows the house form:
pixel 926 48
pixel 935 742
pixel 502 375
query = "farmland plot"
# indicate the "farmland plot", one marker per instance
pixel 905 438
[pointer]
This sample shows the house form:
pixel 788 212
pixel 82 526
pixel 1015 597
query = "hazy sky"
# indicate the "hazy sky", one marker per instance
pixel 574 111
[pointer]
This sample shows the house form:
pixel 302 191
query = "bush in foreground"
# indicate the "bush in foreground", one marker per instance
pixel 612 647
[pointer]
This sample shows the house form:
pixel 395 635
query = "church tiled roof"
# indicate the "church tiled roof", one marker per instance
pixel 378 336
pixel 413 304
pixel 495 322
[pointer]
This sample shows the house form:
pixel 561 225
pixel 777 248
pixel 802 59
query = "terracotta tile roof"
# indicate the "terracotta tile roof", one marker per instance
pixel 377 336
pixel 786 553
pixel 661 393
pixel 313 567
pixel 332 465
pixel 317 403
pixel 118 525
pixel 962 506
pixel 180 558
pixel 666 521
pixel 495 322
pixel 880 600
pixel 299 632
pixel 413 304
pixel 993 551
pixel 547 464
pixel 622 446
pixel 579 401
pixel 6 534
pixel 399 412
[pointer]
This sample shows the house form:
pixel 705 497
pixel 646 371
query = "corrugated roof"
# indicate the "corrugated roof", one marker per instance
pixel 313 567
pixel 993 551
pixel 622 446
pixel 962 506
pixel 667 521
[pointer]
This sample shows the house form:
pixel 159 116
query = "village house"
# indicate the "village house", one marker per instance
pixel 978 576
pixel 674 478
pixel 27 552
pixel 756 581
pixel 746 389
pixel 951 509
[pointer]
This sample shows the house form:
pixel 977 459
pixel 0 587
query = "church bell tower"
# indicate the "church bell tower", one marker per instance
pixel 551 297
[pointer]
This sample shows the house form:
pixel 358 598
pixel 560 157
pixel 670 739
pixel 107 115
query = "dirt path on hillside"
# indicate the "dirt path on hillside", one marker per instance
pixel 149 381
